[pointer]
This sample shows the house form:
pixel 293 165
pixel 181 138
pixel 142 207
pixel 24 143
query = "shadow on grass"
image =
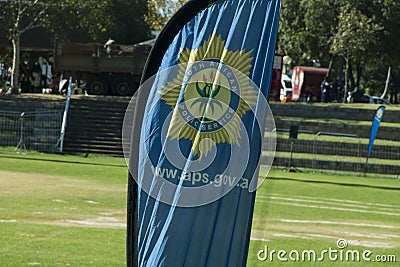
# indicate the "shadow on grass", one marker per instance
pixel 63 161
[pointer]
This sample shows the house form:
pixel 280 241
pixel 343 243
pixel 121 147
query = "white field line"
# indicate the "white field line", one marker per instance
pixel 371 244
pixel 8 221
pixel 92 202
pixel 376 236
pixel 259 239
pixel 363 243
pixel 340 201
pixel 337 223
pixel 290 236
pixel 112 213
pixel 100 222
pixel 312 200
pixel 329 208
pixel 356 239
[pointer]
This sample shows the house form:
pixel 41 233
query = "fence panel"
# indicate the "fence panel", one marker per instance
pixel 342 149
pixel 337 153
pixel 10 128
pixel 39 130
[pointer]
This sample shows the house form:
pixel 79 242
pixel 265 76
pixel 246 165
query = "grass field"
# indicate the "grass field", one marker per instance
pixel 70 211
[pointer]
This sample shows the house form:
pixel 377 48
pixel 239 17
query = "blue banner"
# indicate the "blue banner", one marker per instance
pixel 374 128
pixel 201 136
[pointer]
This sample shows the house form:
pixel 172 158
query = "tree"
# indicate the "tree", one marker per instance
pixel 366 33
pixel 389 54
pixel 305 29
pixel 160 11
pixel 350 42
pixel 19 16
pixel 128 21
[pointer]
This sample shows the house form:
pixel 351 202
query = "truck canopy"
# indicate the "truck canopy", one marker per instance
pixel 306 83
pixel 95 58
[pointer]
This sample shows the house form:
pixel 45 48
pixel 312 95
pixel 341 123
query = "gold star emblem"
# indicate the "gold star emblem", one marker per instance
pixel 209 95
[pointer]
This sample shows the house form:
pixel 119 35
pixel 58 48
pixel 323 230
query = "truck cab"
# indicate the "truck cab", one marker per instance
pixel 286 88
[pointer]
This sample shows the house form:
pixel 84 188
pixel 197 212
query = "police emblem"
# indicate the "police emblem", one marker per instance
pixel 379 114
pixel 209 95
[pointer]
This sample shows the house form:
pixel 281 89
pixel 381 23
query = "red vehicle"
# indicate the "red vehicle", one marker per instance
pixel 306 83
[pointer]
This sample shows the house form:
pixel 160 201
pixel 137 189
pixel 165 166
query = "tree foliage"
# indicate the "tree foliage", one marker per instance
pixel 160 11
pixel 101 19
pixel 305 29
pixel 20 16
pixel 127 22
pixel 364 34
pixel 352 29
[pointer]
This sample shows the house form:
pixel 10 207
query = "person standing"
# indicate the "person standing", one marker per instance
pixel 323 91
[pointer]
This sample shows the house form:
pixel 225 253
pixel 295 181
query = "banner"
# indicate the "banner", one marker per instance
pixel 374 128
pixel 198 130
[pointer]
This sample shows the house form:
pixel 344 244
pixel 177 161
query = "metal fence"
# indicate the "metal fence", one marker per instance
pixel 337 149
pixel 337 153
pixel 39 130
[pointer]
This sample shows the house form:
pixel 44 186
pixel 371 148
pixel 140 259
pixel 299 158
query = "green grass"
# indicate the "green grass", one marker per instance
pixel 24 244
pixel 62 210
pixel 58 210
pixel 302 211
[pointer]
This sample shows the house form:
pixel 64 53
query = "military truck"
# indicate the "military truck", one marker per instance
pixel 109 69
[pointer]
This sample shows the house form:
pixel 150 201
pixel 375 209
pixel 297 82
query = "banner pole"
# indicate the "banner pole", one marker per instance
pixel 366 168
pixel 65 115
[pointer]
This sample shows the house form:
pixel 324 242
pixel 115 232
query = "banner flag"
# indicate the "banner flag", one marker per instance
pixel 196 141
pixel 374 128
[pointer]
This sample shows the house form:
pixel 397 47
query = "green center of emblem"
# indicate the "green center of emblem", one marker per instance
pixel 209 101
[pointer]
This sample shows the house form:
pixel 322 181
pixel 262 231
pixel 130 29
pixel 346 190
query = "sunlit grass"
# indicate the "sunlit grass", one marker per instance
pixel 58 210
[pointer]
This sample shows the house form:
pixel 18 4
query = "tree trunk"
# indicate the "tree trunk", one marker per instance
pixel 329 73
pixel 15 65
pixel 387 83
pixel 346 78
pixel 359 74
pixel 350 74
pixel 394 88
pixel 340 78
